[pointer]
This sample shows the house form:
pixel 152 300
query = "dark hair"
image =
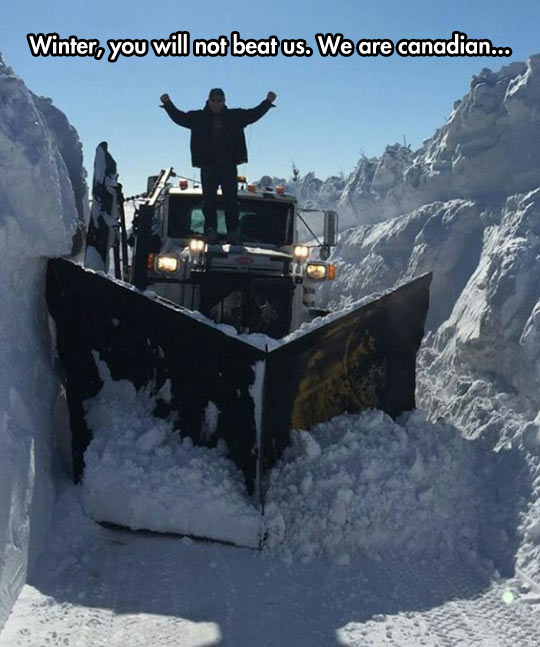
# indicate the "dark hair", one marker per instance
pixel 216 92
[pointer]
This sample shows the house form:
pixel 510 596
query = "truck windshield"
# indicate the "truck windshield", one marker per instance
pixel 261 221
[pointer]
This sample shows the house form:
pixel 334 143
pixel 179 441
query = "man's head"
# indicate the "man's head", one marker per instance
pixel 216 100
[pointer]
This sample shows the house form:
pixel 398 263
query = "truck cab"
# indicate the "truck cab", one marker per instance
pixel 265 284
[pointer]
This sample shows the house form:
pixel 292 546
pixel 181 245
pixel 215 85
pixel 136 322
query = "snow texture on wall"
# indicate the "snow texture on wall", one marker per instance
pixel 483 318
pixel 42 198
pixel 488 149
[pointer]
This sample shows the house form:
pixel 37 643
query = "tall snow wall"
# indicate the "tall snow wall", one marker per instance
pixel 469 210
pixel 42 210
pixel 488 148
pixel 474 193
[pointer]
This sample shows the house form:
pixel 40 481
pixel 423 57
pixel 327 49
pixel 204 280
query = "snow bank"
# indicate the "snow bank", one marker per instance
pixel 38 219
pixel 484 304
pixel 478 153
pixel 310 191
pixel 470 204
pixel 494 324
pixel 441 237
pixel 139 473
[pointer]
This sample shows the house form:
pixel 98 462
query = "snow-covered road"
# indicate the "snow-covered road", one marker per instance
pixel 96 586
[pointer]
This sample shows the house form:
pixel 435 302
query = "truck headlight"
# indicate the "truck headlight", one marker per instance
pixel 197 245
pixel 166 263
pixel 300 252
pixel 316 271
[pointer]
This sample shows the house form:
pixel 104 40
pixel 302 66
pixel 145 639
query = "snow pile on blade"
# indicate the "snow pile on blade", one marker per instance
pixel 366 485
pixel 140 474
pixel 357 485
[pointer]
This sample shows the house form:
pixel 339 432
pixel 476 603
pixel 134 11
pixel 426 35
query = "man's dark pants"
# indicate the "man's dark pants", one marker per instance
pixel 213 176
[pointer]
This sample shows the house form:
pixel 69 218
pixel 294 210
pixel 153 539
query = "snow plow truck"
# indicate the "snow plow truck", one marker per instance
pixel 214 322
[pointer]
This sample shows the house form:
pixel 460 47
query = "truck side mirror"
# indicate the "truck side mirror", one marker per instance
pixel 324 252
pixel 330 228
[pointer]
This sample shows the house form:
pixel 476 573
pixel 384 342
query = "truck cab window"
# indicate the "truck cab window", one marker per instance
pixel 263 222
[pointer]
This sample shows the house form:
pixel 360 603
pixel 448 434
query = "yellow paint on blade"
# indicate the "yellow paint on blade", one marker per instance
pixel 333 381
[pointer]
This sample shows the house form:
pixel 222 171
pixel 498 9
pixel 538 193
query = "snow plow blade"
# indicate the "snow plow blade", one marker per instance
pixel 363 359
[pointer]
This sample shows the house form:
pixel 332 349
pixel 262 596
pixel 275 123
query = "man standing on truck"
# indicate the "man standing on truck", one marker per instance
pixel 218 145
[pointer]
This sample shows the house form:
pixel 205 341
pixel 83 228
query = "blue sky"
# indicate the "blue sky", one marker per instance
pixel 329 112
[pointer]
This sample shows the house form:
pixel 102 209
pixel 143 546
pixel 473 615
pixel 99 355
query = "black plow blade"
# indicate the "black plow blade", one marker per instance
pixel 362 359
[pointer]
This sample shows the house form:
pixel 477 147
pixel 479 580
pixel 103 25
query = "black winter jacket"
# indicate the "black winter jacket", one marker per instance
pixel 200 124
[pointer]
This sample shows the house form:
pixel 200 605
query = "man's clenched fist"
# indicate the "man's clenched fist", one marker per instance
pixel 164 98
pixel 271 96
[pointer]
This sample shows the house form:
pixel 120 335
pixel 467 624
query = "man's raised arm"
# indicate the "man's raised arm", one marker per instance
pixel 253 114
pixel 178 116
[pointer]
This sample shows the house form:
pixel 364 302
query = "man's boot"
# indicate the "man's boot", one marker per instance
pixel 233 237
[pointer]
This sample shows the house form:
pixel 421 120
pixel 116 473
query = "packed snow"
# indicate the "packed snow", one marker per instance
pixel 419 531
